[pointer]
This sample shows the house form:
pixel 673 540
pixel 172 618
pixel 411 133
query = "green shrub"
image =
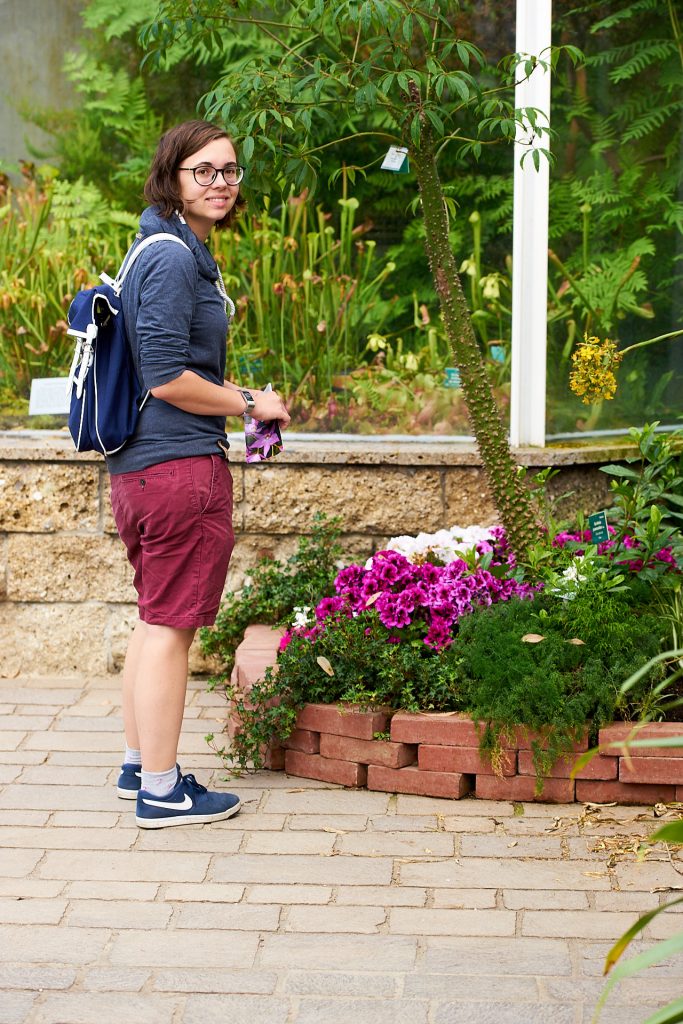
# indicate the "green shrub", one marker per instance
pixel 556 666
pixel 274 589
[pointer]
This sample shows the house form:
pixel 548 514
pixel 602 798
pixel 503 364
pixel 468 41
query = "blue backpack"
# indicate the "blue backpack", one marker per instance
pixel 106 396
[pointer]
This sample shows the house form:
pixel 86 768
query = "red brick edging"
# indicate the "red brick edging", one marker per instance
pixel 437 754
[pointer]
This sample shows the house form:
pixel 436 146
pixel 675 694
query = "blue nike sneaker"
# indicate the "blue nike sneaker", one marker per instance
pixel 189 803
pixel 129 782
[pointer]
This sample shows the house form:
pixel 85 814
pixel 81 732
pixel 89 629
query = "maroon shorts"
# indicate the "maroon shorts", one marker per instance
pixel 175 519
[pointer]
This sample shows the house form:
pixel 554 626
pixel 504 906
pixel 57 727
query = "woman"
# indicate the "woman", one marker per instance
pixel 171 488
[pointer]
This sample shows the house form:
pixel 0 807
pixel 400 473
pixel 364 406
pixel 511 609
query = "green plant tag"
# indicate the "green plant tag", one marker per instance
pixel 396 160
pixel 597 524
pixel 452 378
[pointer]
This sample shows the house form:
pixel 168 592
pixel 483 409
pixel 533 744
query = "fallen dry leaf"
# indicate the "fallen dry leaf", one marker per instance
pixel 324 664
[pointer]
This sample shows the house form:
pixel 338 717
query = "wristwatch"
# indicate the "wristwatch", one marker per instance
pixel 248 400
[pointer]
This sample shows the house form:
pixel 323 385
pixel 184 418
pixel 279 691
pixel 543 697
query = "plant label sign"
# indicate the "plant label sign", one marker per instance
pixel 49 395
pixel 452 378
pixel 396 160
pixel 597 524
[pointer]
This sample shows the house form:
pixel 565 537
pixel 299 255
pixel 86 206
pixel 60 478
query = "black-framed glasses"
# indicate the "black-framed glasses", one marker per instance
pixel 206 174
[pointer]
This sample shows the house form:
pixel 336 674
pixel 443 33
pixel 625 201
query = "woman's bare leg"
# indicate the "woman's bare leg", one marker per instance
pixel 154 688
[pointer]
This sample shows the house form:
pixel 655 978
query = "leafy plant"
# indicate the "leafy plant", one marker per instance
pixel 274 589
pixel 555 665
pixel 55 237
pixel 672 832
pixel 307 298
pixel 647 505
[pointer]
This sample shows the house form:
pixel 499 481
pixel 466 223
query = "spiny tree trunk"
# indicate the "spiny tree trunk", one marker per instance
pixel 510 493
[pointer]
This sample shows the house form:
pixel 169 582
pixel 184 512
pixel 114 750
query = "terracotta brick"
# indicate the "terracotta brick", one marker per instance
pixel 452 785
pixel 523 787
pixel 325 769
pixel 622 792
pixel 667 771
pixel 304 740
pixel 261 638
pixel 618 732
pixel 447 729
pixel 434 758
pixel 274 757
pixel 526 737
pixel 251 667
pixel 598 768
pixel 342 720
pixel 381 752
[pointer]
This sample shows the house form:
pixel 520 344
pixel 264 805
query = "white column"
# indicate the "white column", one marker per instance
pixel 530 234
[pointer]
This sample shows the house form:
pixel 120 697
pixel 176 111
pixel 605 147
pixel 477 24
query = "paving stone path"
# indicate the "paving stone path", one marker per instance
pixel 314 904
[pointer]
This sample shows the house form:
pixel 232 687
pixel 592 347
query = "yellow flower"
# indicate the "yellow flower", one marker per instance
pixel 595 363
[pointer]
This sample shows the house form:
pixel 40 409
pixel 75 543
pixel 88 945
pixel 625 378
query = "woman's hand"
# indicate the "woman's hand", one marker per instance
pixel 269 406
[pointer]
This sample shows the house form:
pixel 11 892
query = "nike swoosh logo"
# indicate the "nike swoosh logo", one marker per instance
pixel 183 806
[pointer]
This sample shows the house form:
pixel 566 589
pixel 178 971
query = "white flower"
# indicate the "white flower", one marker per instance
pixel 446 545
pixel 569 582
pixel 301 619
pixel 573 574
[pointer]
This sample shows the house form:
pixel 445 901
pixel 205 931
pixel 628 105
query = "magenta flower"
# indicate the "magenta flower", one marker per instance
pixel 426 597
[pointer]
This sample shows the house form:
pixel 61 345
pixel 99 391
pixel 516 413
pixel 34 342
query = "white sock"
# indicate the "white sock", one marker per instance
pixel 132 756
pixel 160 783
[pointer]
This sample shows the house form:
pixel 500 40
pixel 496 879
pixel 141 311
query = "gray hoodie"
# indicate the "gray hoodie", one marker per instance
pixel 175 320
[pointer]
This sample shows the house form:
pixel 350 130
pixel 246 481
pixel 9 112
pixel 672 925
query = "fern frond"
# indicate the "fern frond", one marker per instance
pixel 656 52
pixel 117 17
pixel 632 58
pixel 650 121
pixel 630 11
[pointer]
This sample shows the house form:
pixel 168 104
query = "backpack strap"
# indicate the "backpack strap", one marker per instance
pixel 133 253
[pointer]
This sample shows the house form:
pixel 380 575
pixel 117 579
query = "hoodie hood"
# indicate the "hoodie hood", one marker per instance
pixel 151 223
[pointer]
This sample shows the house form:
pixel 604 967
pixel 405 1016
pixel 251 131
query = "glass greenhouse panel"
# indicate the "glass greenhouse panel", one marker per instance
pixel 616 220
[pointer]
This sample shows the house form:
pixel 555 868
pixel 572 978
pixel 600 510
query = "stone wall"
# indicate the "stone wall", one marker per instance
pixel 67 602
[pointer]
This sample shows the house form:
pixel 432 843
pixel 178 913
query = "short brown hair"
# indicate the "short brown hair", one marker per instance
pixel 161 187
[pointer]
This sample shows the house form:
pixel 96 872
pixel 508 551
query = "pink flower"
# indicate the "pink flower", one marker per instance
pixel 285 640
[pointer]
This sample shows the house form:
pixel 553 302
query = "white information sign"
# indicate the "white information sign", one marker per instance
pixel 49 396
pixel 395 159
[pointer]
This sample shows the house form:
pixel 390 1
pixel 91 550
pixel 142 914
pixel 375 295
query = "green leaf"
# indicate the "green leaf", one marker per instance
pixel 435 120
pixel 644 669
pixel 247 148
pixel 672 832
pixel 463 53
pixel 661 951
pixel 583 760
pixel 659 741
pixel 670 1014
pixel 655 954
pixel 623 471
pixel 460 86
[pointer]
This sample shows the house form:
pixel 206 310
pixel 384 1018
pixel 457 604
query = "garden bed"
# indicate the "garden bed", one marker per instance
pixel 438 754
